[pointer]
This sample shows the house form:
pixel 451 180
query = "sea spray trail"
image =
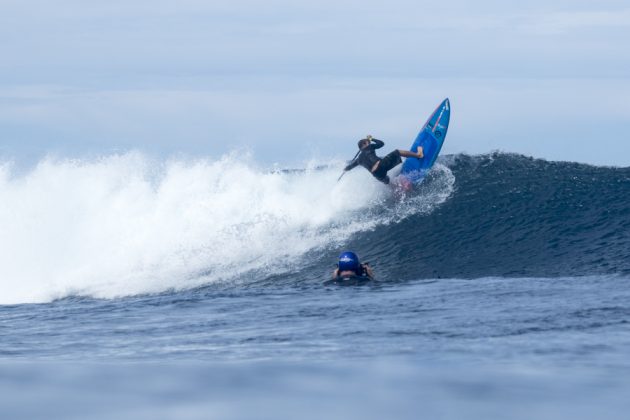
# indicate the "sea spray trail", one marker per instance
pixel 124 224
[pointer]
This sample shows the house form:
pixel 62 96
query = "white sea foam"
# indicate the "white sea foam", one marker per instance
pixel 125 224
pixel 436 188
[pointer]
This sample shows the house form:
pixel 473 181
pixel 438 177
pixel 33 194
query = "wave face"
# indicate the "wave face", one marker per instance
pixel 514 216
pixel 126 225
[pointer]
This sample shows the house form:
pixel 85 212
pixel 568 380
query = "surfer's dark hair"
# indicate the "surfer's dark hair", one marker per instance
pixel 361 142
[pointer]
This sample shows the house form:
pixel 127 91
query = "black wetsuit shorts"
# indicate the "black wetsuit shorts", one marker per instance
pixel 387 163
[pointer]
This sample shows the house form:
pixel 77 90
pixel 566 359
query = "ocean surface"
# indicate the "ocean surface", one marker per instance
pixel 192 288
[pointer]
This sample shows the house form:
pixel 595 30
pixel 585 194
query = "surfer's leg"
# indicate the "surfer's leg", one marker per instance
pixel 385 164
pixel 389 161
pixel 407 153
pixel 383 178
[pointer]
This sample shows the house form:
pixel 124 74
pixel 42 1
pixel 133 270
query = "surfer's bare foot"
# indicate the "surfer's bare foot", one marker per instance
pixel 420 152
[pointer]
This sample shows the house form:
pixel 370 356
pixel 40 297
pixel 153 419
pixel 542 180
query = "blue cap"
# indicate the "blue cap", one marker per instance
pixel 349 261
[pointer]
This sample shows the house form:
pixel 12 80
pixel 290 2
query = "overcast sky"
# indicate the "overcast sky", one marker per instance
pixel 293 81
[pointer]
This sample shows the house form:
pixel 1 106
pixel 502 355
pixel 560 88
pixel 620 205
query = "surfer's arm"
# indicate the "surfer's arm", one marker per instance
pixel 351 165
pixel 377 144
pixel 367 270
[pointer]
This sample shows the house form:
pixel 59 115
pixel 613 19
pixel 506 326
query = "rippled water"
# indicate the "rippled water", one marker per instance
pixel 503 292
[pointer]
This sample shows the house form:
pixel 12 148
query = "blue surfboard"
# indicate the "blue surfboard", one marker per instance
pixel 431 138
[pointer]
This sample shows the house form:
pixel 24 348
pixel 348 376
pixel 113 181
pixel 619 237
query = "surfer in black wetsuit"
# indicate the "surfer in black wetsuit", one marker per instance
pixel 378 167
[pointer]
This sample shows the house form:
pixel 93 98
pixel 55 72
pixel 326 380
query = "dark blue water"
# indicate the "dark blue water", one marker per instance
pixel 511 298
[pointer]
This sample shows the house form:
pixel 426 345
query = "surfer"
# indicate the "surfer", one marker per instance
pixel 350 266
pixel 377 166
